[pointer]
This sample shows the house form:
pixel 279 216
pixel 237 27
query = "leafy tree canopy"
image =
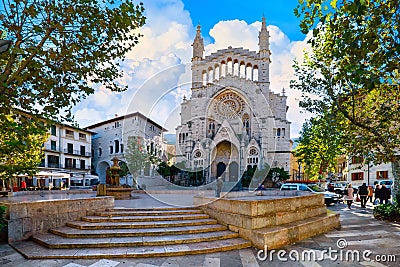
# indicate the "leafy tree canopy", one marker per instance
pixel 353 68
pixel 59 50
pixel 20 147
pixel 320 144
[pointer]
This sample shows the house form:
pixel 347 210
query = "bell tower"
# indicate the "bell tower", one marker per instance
pixel 198 49
pixel 264 53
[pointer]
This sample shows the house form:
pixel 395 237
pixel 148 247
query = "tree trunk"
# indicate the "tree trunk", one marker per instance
pixel 396 177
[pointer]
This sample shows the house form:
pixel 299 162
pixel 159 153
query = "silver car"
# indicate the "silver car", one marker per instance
pixel 330 198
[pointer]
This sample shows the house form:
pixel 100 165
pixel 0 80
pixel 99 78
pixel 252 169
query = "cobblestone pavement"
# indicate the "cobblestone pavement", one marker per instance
pixel 360 233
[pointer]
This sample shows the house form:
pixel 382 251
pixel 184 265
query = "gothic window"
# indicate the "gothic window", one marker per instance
pixel 197 158
pixel 228 105
pixel 278 132
pixel 100 151
pixel 252 158
pixel 246 123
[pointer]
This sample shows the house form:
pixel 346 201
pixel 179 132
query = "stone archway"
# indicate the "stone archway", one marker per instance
pixel 223 155
pixel 101 170
pixel 233 171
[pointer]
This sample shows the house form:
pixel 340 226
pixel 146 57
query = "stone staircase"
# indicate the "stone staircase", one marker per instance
pixel 131 233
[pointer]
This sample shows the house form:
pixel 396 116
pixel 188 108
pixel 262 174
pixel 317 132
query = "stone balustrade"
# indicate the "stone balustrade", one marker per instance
pixel 26 218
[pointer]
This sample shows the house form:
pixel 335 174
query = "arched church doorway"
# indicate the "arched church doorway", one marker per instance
pixel 233 171
pixel 221 167
pixel 223 155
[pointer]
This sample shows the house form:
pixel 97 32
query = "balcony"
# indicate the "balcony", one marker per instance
pixel 50 148
pixel 77 153
pixel 71 136
pixel 76 167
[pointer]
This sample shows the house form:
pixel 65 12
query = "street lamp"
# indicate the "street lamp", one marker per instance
pixel 4 45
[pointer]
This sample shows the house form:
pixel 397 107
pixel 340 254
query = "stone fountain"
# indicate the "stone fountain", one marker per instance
pixel 114 189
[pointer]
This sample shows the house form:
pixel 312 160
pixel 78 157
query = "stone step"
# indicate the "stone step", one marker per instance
pixel 145 224
pixel 285 234
pixel 55 241
pixel 32 250
pixel 148 212
pixel 127 218
pixel 149 209
pixel 69 232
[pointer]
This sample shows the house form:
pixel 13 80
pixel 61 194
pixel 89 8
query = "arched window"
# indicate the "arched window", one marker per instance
pixel 204 77
pixel 223 69
pixel 252 158
pixel 255 73
pixel 217 73
pixel 210 75
pixel 230 66
pixel 235 67
pixel 246 123
pixel 242 70
pixel 249 72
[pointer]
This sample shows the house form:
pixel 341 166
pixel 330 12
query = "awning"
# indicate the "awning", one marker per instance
pixel 43 174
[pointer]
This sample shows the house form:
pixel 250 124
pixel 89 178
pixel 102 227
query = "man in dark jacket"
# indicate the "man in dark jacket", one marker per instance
pixel 385 194
pixel 363 193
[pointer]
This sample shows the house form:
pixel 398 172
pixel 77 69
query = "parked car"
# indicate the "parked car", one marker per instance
pixel 388 183
pixel 340 187
pixel 330 198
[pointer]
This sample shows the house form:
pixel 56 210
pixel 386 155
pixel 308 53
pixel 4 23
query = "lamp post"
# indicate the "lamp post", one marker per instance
pixel 4 45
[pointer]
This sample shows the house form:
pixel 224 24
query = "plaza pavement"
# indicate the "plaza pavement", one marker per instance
pixel 359 232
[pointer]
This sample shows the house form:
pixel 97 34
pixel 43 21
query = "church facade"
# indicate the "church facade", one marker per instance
pixel 233 120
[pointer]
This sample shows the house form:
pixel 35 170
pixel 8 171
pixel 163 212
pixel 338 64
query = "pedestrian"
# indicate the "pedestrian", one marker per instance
pixel 261 187
pixel 385 194
pixel 377 194
pixel 219 186
pixel 331 188
pixel 363 193
pixel 23 186
pixel 370 193
pixel 349 197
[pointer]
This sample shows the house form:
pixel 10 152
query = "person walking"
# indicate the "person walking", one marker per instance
pixel 377 194
pixel 349 197
pixel 385 194
pixel 370 193
pixel 219 186
pixel 363 193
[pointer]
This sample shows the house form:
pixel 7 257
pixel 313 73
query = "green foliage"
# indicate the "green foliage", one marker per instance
pixel 277 175
pixel 60 50
pixel 387 212
pixel 3 222
pixel 320 144
pixel 21 141
pixel 136 155
pixel 353 70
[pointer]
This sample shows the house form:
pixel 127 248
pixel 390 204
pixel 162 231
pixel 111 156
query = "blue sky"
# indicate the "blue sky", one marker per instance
pixel 157 70
pixel 279 13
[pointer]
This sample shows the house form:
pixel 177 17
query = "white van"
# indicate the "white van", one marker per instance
pixel 388 183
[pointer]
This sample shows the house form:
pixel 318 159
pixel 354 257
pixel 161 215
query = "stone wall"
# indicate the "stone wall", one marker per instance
pixel 274 218
pixel 27 218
